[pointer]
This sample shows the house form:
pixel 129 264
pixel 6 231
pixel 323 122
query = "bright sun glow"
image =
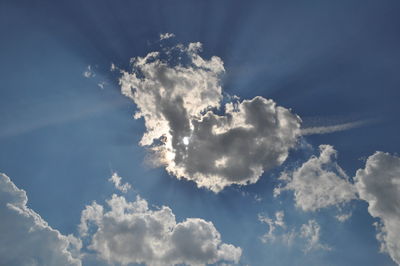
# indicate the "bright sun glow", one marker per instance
pixel 185 140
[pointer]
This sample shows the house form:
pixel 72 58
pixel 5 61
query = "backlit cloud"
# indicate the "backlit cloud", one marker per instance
pixel 178 93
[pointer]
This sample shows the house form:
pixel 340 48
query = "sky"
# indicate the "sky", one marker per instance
pixel 199 132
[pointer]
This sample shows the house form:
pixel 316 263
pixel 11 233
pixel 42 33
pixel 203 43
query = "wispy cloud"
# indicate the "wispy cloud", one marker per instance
pixel 333 128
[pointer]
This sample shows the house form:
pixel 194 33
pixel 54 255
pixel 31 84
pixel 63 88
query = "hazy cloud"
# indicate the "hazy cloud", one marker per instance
pixel 26 239
pixel 272 225
pixel 311 233
pixel 130 232
pixel 308 235
pixel 379 184
pixel 188 130
pixel 318 183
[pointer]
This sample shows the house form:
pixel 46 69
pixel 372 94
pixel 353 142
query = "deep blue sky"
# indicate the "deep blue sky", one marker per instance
pixel 61 136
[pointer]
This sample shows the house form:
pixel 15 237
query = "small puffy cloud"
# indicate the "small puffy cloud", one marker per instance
pixel 311 233
pixel 318 183
pixel 89 73
pixel 116 180
pixel 26 239
pixel 164 36
pixel 130 232
pixel 379 185
pixel 191 134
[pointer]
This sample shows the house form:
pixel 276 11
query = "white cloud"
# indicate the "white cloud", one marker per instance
pixel 188 131
pixel 26 239
pixel 129 232
pixel 164 36
pixel 89 73
pixel 116 180
pixel 379 184
pixel 311 233
pixel 318 183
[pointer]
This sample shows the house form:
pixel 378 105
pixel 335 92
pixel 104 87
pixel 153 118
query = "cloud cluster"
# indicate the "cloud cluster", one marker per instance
pixel 319 183
pixel 379 185
pixel 192 134
pixel 129 232
pixel 26 239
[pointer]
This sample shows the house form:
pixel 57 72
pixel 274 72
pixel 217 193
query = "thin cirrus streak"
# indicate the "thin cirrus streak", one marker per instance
pixel 333 128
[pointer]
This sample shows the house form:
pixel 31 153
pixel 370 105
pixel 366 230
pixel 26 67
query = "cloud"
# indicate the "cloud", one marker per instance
pixel 318 183
pixel 272 225
pixel 26 239
pixel 116 180
pixel 129 232
pixel 278 231
pixel 178 93
pixel 164 36
pixel 379 185
pixel 311 233
pixel 332 129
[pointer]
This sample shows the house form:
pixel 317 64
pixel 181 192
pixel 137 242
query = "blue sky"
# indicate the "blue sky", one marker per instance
pixel 62 135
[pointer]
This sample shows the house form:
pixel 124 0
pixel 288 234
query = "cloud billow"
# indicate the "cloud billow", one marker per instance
pixel 185 130
pixel 130 232
pixel 379 185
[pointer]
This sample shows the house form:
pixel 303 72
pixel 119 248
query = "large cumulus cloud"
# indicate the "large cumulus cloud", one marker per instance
pixel 178 93
pixel 379 184
pixel 129 232
pixel 25 238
